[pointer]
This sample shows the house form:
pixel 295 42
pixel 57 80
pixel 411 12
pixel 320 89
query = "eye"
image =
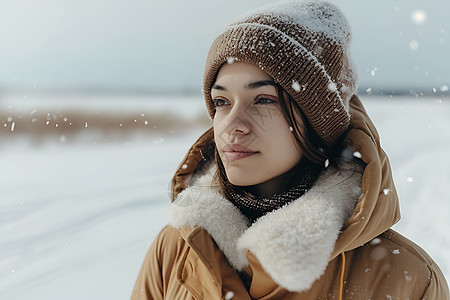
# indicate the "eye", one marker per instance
pixel 218 102
pixel 265 100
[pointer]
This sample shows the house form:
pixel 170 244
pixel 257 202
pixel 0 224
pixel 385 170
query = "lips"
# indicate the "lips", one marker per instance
pixel 232 152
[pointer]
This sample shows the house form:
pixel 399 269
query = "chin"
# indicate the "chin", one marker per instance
pixel 241 182
pixel 243 179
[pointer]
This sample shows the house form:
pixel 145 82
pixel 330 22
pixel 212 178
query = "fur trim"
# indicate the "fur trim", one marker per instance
pixel 202 205
pixel 294 243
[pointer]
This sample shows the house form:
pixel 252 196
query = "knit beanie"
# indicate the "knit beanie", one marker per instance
pixel 304 47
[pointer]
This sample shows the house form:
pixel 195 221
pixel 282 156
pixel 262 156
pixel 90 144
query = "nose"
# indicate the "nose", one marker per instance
pixel 237 121
pixel 237 126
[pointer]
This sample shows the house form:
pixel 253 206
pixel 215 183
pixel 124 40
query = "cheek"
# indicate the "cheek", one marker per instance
pixel 217 129
pixel 283 145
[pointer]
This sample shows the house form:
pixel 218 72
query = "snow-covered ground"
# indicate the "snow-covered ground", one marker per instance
pixel 77 218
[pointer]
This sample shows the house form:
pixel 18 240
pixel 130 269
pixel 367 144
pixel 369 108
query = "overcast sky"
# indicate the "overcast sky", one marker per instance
pixel 162 45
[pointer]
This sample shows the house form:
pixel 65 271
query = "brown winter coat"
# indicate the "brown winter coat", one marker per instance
pixel 366 260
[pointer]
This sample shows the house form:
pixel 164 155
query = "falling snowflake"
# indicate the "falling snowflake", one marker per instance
pixel 229 295
pixel 231 59
pixel 332 87
pixel 375 241
pixel 357 154
pixel 296 86
pixel 414 45
pixel 407 277
pixel 419 17
pixel 373 71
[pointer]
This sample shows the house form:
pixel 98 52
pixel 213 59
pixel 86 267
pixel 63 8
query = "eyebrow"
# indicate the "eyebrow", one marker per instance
pixel 253 85
pixel 257 84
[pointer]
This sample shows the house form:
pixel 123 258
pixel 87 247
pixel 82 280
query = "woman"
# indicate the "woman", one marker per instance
pixel 289 195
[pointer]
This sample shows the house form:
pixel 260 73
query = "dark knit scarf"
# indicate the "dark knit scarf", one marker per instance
pixel 254 207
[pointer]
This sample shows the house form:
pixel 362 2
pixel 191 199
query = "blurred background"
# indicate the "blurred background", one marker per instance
pixel 100 100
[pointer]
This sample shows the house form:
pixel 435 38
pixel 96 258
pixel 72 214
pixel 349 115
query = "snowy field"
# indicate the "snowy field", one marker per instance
pixel 79 209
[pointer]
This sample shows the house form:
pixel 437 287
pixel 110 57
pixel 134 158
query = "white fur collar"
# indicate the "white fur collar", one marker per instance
pixel 294 243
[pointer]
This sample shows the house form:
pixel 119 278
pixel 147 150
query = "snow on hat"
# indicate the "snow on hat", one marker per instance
pixel 303 46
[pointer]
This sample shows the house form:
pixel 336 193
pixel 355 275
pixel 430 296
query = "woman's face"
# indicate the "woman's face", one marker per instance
pixel 251 135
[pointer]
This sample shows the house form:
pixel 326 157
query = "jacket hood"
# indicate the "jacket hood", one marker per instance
pixel 378 208
pixel 316 227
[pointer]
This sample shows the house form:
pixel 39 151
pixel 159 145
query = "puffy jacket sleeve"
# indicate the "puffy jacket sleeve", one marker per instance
pixel 159 267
